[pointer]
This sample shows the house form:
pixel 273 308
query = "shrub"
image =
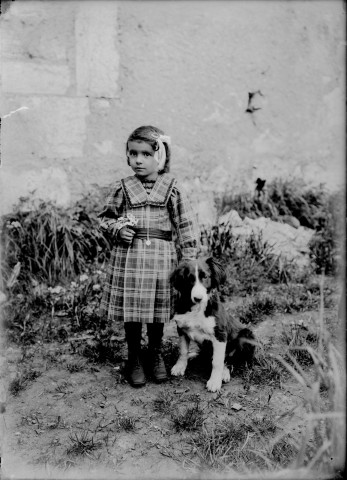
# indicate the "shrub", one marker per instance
pixel 51 242
pixel 313 207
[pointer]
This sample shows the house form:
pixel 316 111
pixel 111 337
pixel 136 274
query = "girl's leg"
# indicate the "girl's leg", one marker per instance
pixel 155 334
pixel 133 335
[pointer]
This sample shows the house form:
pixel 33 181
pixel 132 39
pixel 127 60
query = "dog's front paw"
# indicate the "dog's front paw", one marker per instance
pixel 179 368
pixel 214 384
pixel 226 374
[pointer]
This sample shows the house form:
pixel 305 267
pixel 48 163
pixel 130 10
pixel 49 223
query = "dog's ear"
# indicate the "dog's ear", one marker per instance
pixel 176 277
pixel 217 270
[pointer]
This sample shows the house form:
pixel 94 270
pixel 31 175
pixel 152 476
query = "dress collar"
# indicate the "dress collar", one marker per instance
pixel 137 196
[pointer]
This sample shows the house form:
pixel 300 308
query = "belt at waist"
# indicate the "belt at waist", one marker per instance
pixel 144 233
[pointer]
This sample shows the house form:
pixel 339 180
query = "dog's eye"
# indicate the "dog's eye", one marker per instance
pixel 191 278
pixel 202 275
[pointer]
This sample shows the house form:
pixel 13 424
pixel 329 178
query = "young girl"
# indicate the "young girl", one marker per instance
pixel 145 214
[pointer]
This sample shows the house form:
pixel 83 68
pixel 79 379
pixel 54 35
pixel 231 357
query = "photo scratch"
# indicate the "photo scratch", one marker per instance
pixel 15 111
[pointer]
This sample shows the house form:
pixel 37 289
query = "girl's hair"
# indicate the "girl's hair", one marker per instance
pixel 150 135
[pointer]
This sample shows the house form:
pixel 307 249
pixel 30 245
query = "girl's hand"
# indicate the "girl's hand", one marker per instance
pixel 126 235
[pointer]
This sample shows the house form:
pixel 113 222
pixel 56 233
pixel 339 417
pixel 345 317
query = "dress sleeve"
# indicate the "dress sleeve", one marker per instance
pixel 112 210
pixel 185 223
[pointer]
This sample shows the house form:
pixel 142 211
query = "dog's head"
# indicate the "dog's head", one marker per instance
pixel 194 279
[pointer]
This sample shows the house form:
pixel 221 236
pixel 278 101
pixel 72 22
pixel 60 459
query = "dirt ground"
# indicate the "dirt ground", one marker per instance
pixel 131 432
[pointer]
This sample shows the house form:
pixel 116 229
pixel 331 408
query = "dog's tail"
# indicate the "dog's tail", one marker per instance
pixel 241 349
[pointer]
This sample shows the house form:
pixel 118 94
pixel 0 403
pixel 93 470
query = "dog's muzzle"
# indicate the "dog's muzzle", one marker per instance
pixel 199 294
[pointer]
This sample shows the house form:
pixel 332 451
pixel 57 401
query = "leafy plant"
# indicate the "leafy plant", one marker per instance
pixel 52 242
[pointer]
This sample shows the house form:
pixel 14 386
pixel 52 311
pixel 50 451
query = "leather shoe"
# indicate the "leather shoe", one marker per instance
pixel 135 371
pixel 158 367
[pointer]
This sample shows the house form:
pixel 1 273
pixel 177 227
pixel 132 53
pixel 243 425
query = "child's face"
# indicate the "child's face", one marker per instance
pixel 142 160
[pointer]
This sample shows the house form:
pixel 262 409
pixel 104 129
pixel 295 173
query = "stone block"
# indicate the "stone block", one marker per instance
pixel 26 77
pixel 97 57
pixel 50 127
pixel 45 183
pixel 38 30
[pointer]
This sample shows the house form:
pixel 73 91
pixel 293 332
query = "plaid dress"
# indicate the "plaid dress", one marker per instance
pixel 137 287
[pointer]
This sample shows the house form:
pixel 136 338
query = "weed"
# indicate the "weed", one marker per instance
pixel 325 419
pixel 254 311
pixel 219 446
pixel 127 423
pixel 284 451
pixel 76 366
pixel 103 345
pixel 264 425
pixel 62 388
pixel 191 418
pixel 82 444
pixel 163 403
pixel 16 385
pixel 265 370
pixel 21 381
pixel 297 336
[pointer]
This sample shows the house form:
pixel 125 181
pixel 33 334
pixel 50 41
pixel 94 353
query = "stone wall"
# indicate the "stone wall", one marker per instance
pixel 79 76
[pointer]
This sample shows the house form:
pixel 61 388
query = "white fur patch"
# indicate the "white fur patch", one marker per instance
pixel 215 382
pixel 199 292
pixel 180 367
pixel 195 325
pixel 226 374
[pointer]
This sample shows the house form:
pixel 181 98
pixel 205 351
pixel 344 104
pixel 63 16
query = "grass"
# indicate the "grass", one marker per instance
pixel 50 242
pixel 325 415
pixel 284 451
pixel 189 418
pixel 127 423
pixel 300 339
pixel 223 445
pixel 282 298
pixel 163 403
pixel 265 371
pixel 49 309
pixel 76 365
pixel 22 380
pixel 82 444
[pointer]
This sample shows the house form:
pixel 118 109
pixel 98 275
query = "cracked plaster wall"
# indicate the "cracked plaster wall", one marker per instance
pixel 89 72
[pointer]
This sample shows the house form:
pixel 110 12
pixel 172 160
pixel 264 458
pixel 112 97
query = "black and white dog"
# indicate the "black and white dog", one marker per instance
pixel 200 315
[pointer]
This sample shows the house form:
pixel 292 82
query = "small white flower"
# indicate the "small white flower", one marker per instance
pixel 96 287
pixel 56 290
pixel 83 277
